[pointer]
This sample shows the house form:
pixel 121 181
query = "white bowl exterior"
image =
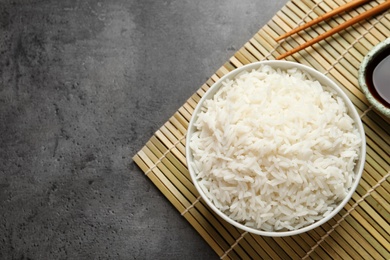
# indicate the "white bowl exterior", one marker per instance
pixel 325 81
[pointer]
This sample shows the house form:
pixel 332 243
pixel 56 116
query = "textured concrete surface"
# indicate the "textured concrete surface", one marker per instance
pixel 83 86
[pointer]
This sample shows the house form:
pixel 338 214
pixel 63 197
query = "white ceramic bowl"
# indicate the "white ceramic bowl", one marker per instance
pixel 324 81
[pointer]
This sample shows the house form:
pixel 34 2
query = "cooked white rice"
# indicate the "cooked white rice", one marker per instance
pixel 275 150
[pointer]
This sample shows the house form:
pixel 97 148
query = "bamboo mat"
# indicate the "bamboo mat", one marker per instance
pixel 362 229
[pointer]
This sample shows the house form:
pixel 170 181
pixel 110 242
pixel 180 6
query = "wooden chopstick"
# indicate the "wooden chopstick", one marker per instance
pixel 323 17
pixel 377 9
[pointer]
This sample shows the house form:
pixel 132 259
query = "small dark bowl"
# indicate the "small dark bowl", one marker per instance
pixel 368 62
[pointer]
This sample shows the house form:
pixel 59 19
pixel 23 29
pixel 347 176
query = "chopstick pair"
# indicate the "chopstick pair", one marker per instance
pixel 377 9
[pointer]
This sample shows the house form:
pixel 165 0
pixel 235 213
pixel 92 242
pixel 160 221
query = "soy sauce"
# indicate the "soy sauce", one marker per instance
pixel 378 77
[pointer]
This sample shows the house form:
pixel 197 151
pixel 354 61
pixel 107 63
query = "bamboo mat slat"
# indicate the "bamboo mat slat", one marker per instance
pixel 361 230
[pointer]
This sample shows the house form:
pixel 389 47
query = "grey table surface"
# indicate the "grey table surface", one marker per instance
pixel 83 86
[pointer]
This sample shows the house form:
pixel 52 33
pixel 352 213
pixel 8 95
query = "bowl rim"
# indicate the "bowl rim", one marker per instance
pixel 324 80
pixel 382 46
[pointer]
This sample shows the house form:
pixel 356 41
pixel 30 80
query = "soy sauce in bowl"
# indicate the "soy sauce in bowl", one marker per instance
pixel 378 77
pixel 374 77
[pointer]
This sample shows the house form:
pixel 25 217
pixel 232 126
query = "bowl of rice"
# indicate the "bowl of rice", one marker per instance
pixel 275 148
